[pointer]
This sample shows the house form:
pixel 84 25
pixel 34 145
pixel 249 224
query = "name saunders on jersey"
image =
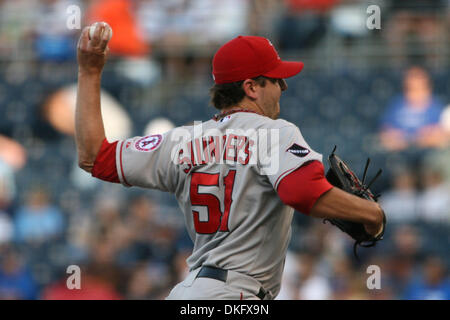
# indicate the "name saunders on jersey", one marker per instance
pixel 234 146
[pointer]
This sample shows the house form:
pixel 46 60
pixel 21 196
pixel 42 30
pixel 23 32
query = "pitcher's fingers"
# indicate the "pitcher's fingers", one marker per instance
pixel 96 38
pixel 84 38
pixel 105 38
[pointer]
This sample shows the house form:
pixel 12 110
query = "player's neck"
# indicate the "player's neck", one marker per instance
pixel 247 106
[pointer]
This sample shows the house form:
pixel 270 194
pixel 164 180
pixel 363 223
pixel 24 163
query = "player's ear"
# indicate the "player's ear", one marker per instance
pixel 283 84
pixel 251 88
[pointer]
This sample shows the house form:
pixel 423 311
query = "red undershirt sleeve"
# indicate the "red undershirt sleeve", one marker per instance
pixel 105 163
pixel 303 187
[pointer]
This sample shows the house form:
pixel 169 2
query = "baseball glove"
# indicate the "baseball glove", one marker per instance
pixel 341 176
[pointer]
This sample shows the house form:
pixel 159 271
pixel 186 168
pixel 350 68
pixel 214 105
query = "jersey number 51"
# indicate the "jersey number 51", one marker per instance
pixel 217 221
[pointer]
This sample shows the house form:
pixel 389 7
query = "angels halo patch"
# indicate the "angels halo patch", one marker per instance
pixel 298 151
pixel 149 143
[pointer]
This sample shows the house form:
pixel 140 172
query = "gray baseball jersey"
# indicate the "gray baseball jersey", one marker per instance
pixel 225 175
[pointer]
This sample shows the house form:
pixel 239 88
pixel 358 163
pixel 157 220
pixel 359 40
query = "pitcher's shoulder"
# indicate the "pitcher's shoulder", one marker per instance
pixel 279 123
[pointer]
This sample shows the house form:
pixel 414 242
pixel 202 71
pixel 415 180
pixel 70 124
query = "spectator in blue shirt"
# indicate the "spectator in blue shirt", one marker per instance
pixel 38 220
pixel 16 280
pixel 433 284
pixel 413 119
pixel 54 41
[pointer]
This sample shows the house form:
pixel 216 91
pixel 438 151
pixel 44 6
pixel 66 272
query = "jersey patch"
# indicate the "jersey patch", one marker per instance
pixel 298 151
pixel 225 119
pixel 148 143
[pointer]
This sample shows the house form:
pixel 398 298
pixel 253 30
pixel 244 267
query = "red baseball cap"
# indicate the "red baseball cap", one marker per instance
pixel 247 57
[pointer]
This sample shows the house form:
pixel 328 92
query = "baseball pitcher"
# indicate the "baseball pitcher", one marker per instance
pixel 237 177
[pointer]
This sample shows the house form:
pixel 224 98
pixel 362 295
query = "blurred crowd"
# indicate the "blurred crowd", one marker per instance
pixel 174 39
pixel 324 267
pixel 125 249
pixel 132 244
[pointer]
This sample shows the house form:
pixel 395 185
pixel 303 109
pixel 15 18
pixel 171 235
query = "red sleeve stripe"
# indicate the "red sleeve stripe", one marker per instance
pixel 105 163
pixel 281 176
pixel 301 188
pixel 121 166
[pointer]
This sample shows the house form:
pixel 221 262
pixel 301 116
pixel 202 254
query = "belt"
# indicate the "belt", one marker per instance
pixel 221 275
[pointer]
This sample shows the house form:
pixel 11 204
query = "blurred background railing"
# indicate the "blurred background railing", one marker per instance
pixel 380 93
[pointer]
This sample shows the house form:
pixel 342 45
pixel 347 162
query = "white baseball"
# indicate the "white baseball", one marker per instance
pixel 94 26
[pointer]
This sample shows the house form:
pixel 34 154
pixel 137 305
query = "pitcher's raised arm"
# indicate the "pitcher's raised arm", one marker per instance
pixel 89 130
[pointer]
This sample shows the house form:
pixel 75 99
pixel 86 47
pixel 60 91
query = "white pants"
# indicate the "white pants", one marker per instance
pixel 237 287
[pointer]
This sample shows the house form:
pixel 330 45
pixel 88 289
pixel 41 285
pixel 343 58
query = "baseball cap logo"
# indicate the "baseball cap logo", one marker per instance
pixel 270 42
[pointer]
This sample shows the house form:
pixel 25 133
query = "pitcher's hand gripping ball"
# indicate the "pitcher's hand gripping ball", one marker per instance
pixel 341 176
pixel 94 26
